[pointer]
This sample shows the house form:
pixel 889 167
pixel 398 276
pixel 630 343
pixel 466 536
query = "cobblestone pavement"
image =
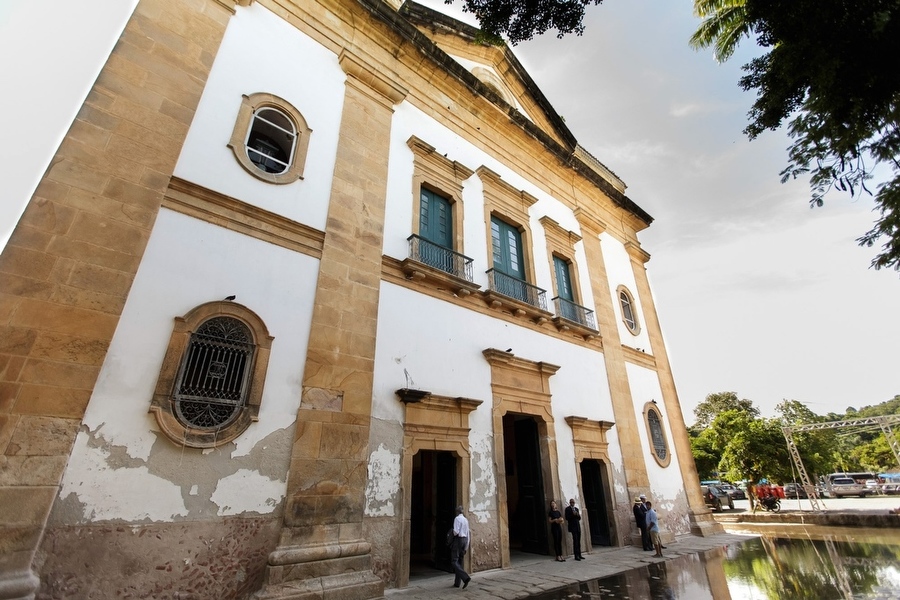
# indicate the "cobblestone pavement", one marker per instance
pixel 531 574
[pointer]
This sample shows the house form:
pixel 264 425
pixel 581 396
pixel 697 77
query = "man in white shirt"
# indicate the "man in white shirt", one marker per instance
pixel 458 548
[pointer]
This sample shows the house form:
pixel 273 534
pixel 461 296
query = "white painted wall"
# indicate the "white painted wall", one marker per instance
pixel 619 272
pixel 665 482
pixel 187 263
pixel 260 52
pixel 440 345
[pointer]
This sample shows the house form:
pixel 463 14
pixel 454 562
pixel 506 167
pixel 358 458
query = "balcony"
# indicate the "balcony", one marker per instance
pixel 574 317
pixel 439 265
pixel 520 297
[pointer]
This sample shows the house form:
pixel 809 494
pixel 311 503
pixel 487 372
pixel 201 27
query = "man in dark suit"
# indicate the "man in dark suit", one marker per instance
pixel 640 517
pixel 573 519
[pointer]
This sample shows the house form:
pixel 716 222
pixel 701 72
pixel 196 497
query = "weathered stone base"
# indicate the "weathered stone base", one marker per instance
pixel 223 559
pixel 19 585
pixel 704 524
pixel 321 571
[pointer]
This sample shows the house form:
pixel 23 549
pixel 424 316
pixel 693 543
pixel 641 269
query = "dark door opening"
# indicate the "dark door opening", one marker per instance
pixel 527 514
pixel 432 509
pixel 592 476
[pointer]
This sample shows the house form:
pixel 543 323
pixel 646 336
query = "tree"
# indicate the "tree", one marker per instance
pixel 720 402
pixel 757 451
pixel 815 447
pixel 829 75
pixel 706 455
pixel 521 21
pixel 724 26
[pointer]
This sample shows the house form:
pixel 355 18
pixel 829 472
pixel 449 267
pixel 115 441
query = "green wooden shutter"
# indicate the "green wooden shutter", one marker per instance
pixel 435 223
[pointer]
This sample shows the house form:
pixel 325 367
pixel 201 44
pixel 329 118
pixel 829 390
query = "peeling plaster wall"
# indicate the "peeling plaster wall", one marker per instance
pixel 121 468
pixel 382 523
pixel 127 486
pixel 666 490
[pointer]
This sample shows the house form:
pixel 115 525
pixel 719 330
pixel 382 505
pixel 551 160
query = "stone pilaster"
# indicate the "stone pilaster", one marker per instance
pixel 70 262
pixel 701 519
pixel 322 552
pixel 627 424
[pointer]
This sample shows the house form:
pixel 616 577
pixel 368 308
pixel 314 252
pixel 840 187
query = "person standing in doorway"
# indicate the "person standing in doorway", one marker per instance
pixel 653 527
pixel 573 518
pixel 556 520
pixel 458 548
pixel 640 517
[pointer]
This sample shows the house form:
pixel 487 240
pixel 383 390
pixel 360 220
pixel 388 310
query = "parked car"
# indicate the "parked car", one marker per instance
pixel 736 493
pixel 845 486
pixel 794 490
pixel 873 486
pixel 716 498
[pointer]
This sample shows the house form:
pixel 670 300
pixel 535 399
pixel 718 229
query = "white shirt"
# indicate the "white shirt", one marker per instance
pixel 461 526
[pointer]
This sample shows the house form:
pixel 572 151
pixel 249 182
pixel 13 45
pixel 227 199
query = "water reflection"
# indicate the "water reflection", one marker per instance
pixel 763 568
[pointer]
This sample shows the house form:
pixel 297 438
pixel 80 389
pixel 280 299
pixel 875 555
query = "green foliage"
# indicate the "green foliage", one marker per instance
pixel 724 25
pixel 720 402
pixel 841 98
pixel 816 448
pixel 757 451
pixel 829 74
pixel 731 439
pixel 706 455
pixel 521 21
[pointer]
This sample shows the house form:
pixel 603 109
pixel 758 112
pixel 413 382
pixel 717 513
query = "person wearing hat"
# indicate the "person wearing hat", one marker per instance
pixel 640 517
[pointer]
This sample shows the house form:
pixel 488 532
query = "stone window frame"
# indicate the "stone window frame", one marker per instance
pixel 635 327
pixel 561 243
pixel 508 204
pixel 445 177
pixel 651 408
pixel 249 105
pixel 163 403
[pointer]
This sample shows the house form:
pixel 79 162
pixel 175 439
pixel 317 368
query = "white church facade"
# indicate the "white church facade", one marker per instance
pixel 301 278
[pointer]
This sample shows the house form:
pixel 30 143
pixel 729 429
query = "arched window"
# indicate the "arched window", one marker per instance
pixel 213 379
pixel 270 138
pixel 629 311
pixel 657 434
pixel 211 382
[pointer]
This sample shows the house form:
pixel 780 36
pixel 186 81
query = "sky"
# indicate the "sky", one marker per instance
pixel 757 293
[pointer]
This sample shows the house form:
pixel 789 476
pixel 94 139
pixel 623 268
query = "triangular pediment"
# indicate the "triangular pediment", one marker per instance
pixel 503 79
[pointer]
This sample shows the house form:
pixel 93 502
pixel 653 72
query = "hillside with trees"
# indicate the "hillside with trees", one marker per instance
pixel 730 440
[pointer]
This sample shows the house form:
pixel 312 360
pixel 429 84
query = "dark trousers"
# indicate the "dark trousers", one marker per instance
pixel 457 552
pixel 576 541
pixel 556 530
pixel 645 538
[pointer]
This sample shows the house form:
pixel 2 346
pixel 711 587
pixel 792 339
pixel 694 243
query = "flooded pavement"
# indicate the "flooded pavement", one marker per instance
pixel 857 564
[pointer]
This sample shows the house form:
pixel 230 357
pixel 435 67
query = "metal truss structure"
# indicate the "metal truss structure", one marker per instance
pixel 882 421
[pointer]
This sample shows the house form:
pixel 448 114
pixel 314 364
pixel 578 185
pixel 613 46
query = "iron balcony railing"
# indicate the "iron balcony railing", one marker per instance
pixel 574 312
pixel 439 257
pixel 517 289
